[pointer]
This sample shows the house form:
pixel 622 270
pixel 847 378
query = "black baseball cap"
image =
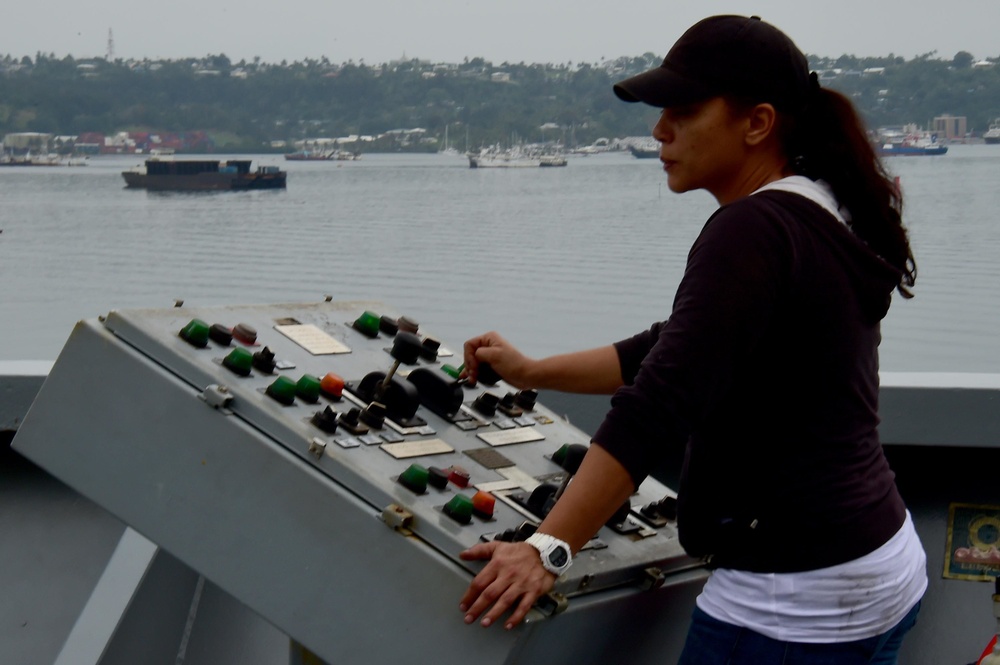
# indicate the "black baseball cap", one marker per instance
pixel 721 55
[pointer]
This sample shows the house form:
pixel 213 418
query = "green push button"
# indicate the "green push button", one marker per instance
pixel 459 509
pixel 559 456
pixel 451 371
pixel 282 390
pixel 307 388
pixel 367 324
pixel 239 361
pixel 414 478
pixel 195 333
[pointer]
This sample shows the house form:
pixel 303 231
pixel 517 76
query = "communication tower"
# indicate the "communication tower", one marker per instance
pixel 111 47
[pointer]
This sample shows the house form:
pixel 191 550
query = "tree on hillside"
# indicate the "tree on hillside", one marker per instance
pixel 962 60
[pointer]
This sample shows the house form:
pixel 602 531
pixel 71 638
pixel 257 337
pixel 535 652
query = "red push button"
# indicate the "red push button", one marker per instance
pixel 244 332
pixel 459 476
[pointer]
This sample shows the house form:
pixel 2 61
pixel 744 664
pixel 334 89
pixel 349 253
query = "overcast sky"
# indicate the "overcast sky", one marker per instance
pixel 528 31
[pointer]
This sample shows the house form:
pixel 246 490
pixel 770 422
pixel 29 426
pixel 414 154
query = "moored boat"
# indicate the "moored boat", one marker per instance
pixel 41 160
pixel 992 135
pixel 322 156
pixel 645 152
pixel 516 157
pixel 308 156
pixel 203 175
pixel 910 144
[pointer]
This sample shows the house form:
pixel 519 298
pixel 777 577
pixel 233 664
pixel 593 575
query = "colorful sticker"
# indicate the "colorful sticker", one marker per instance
pixel 973 550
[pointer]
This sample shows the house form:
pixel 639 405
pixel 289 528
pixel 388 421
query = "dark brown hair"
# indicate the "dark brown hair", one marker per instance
pixel 827 141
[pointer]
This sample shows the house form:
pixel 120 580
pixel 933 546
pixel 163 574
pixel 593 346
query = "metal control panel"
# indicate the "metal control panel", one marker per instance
pixel 325 465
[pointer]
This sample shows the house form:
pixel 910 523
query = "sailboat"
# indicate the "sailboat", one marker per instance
pixel 448 151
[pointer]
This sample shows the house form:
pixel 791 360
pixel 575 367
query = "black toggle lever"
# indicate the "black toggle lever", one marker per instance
pixel 569 457
pixel 437 391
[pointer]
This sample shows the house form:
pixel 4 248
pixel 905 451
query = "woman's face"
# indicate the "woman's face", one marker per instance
pixel 702 147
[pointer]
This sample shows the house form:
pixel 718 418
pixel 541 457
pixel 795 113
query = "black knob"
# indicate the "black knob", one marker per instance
pixel 437 392
pixel 540 501
pixel 264 360
pixel 406 348
pixel 326 420
pixel 351 417
pixel 486 404
pixel 486 374
pixel 429 348
pixel 620 515
pixel 437 477
pixel 351 421
pixel 505 536
pixel 665 508
pixel 373 415
pixel 388 325
pixel 509 407
pixel 526 399
pixel 220 334
pixel 570 456
pixel 524 531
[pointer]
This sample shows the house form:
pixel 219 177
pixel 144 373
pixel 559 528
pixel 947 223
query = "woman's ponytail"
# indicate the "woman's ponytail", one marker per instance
pixel 828 141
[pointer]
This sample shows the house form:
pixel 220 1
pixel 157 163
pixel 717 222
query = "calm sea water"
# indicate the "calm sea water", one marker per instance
pixel 556 259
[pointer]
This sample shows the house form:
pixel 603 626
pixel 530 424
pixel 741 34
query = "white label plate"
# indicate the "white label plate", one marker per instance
pixel 312 339
pixel 509 436
pixel 417 448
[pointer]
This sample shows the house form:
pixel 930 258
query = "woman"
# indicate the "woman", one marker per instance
pixel 767 370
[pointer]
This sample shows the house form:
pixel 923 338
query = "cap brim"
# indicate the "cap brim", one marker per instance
pixel 661 87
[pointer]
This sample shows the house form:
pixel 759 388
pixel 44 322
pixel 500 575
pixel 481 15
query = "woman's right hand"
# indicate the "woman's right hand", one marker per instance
pixel 503 357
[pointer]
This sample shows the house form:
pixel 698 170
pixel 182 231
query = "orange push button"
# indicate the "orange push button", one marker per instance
pixel 483 504
pixel 332 386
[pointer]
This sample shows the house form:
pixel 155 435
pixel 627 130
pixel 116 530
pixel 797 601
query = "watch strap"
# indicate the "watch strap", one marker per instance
pixel 555 554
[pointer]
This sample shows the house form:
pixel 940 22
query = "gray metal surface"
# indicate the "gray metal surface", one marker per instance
pixel 941 436
pixel 20 381
pixel 236 494
pixel 109 601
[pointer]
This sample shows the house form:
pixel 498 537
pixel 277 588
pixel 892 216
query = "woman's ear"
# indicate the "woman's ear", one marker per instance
pixel 761 123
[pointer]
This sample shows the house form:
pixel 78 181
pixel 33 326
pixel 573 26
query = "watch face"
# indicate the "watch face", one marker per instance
pixel 558 557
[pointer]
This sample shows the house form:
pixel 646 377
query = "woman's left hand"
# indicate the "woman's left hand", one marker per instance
pixel 513 578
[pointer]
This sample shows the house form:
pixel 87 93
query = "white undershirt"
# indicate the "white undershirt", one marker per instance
pixel 843 603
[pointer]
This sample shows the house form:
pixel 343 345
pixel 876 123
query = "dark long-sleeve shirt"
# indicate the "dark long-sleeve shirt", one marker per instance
pixel 767 370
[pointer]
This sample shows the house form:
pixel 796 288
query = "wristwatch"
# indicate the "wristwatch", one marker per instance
pixel 555 553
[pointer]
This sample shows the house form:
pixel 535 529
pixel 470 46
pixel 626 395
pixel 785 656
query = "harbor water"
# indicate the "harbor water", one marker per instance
pixel 556 259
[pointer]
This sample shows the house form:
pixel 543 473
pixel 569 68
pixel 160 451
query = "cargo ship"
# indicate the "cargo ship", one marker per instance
pixel 203 175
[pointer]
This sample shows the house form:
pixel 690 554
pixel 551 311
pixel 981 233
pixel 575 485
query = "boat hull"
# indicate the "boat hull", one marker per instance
pixel 520 163
pixel 644 153
pixel 204 182
pixel 914 151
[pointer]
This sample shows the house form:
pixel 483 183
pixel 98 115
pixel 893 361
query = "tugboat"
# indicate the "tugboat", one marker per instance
pixel 203 175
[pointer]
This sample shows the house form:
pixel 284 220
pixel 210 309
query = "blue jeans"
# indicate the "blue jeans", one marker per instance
pixel 714 642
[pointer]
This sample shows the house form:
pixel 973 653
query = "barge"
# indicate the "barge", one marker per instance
pixel 203 175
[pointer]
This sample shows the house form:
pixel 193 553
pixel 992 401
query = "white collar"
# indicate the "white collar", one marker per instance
pixel 817 191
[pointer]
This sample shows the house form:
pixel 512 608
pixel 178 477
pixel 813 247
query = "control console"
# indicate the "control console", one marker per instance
pixel 322 461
